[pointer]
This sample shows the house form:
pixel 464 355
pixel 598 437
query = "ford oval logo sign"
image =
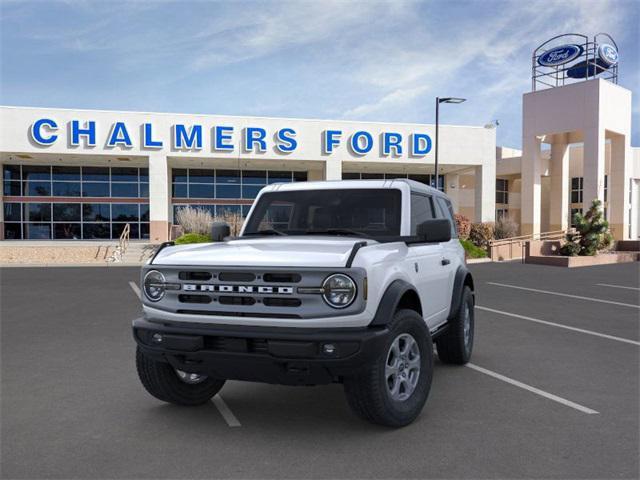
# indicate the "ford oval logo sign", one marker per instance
pixel 608 54
pixel 560 55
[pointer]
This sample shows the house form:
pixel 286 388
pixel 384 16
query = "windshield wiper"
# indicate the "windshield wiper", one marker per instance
pixel 337 231
pixel 266 231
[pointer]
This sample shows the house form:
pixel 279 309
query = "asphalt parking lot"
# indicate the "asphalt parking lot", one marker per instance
pixel 552 391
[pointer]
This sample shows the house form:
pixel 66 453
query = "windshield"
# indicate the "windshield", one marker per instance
pixel 360 212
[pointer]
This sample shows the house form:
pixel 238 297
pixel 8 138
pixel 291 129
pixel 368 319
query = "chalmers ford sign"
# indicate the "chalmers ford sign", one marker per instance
pixel 45 132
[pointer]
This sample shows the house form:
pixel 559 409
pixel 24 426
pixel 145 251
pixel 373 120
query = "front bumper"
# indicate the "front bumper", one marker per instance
pixel 289 356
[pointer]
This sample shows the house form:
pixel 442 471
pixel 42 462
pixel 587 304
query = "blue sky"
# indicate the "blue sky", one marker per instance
pixel 367 60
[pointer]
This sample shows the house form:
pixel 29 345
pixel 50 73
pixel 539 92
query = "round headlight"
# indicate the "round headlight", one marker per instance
pixel 154 285
pixel 339 290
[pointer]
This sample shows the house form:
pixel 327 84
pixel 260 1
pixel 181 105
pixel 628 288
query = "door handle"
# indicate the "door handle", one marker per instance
pixel 445 261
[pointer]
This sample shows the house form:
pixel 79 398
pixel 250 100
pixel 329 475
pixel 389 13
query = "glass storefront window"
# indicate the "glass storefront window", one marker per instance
pixel 66 173
pixel 96 212
pixel 124 212
pixel 69 231
pixel 12 189
pixel 95 174
pixel 96 231
pixel 37 231
pixel 66 189
pixel 37 189
pixel 228 176
pixel 37 212
pixel 12 212
pixel 11 172
pixel 95 189
pixel 197 190
pixel 13 231
pixel 36 172
pixel 124 189
pixel 66 212
pixel 228 191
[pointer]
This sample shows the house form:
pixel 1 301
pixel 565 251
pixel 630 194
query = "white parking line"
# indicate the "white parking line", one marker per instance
pixel 531 389
pixel 566 327
pixel 591 299
pixel 135 289
pixel 617 286
pixel 225 411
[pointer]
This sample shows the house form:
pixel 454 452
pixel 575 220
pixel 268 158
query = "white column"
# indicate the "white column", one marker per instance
pixel 618 188
pixel 559 205
pixel 531 186
pixel 485 192
pixel 593 167
pixel 159 197
pixel 452 189
pixel 333 169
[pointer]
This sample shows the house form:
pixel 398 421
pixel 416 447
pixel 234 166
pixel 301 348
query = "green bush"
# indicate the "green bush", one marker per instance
pixel 592 233
pixel 192 238
pixel 472 250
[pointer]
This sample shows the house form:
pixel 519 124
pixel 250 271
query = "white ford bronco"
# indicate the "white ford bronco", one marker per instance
pixel 344 281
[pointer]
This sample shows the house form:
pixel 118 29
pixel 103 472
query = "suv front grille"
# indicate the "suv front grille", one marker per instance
pixel 253 292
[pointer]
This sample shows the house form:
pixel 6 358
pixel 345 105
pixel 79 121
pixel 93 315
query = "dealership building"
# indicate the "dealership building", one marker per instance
pixel 86 174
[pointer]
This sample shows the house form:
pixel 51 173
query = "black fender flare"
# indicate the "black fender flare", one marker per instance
pixel 389 302
pixel 463 277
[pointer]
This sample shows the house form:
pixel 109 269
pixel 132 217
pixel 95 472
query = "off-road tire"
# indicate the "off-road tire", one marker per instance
pixel 367 392
pixel 161 380
pixel 451 345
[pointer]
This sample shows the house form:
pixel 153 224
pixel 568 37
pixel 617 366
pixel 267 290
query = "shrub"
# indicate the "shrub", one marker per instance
pixel 194 220
pixel 234 219
pixel 463 224
pixel 192 238
pixel 505 228
pixel 591 234
pixel 473 251
pixel 481 234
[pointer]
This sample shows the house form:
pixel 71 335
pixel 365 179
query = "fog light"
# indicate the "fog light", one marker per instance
pixel 329 348
pixel 157 338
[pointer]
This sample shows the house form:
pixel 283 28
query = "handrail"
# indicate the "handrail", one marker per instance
pixel 123 244
pixel 534 236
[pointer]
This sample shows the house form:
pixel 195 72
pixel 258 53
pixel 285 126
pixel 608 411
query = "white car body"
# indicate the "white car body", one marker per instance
pixel 429 267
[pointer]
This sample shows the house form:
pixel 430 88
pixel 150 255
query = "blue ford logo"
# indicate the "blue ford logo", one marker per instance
pixel 560 55
pixel 608 54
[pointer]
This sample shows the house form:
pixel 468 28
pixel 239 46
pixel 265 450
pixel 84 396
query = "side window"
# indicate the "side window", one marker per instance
pixel 446 211
pixel 421 210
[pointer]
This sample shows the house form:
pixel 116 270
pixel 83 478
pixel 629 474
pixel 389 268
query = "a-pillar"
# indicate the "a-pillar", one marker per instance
pixel 531 186
pixel 593 167
pixel 333 169
pixel 485 192
pixel 159 198
pixel 618 188
pixel 559 207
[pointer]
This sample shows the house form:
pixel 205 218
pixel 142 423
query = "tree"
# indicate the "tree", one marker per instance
pixel 591 235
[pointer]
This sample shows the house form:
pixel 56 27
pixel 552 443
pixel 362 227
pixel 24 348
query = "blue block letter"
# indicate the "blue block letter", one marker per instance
pixel 331 139
pixel 421 144
pixel 286 140
pixel 89 131
pixel 255 135
pixel 355 142
pixel 184 139
pixel 119 136
pixel 391 140
pixel 223 135
pixel 147 138
pixel 36 131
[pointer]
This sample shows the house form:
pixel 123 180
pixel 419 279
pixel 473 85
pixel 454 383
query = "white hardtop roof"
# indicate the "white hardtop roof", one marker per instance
pixel 398 183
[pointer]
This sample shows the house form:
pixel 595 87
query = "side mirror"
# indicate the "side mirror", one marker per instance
pixel 436 230
pixel 219 231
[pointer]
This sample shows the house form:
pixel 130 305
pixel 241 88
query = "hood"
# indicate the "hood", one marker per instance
pixel 307 251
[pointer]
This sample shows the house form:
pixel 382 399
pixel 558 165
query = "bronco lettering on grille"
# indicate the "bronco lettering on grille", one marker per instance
pixel 191 287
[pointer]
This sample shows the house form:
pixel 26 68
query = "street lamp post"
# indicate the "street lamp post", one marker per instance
pixel 438 102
